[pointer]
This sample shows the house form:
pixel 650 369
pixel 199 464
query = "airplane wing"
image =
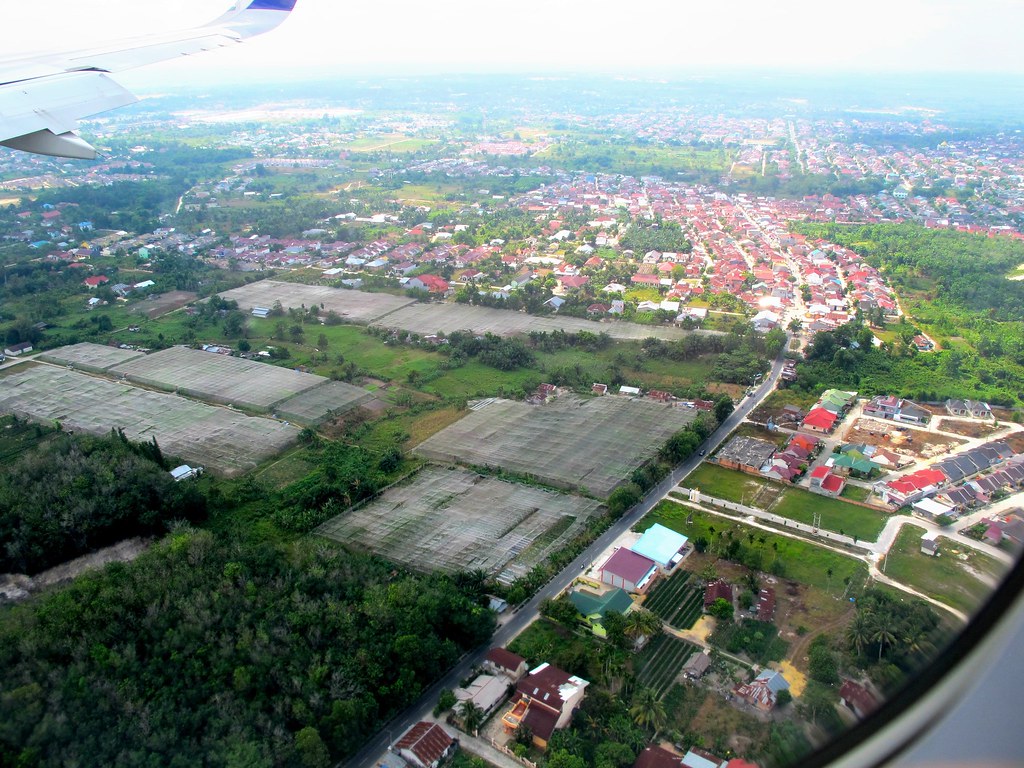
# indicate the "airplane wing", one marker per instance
pixel 43 97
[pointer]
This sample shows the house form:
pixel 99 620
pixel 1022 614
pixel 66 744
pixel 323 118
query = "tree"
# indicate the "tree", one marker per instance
pixel 446 700
pixel 858 633
pixel 641 622
pixel 310 748
pixel 721 609
pixel 647 710
pixel 472 716
pixel 884 635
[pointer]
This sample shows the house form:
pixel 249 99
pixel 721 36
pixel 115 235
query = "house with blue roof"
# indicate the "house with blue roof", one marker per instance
pixel 662 545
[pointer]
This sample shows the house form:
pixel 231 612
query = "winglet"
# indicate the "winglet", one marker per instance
pixel 248 19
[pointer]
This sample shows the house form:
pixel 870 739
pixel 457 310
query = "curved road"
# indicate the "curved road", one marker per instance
pixel 368 756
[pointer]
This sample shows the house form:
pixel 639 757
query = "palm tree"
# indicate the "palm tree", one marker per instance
pixel 859 631
pixel 641 622
pixel 883 635
pixel 647 710
pixel 472 716
pixel 828 583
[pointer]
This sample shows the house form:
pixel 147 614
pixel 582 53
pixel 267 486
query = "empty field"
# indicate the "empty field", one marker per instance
pixel 217 438
pixel 217 378
pixel 354 306
pixel 453 519
pixel 574 443
pixel 87 356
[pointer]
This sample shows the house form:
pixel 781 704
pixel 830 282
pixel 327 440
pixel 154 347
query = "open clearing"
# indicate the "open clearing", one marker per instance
pixel 456 520
pixel 354 306
pixel 573 443
pixel 161 304
pixel 406 314
pixel 948 577
pixel 217 438
pixel 87 356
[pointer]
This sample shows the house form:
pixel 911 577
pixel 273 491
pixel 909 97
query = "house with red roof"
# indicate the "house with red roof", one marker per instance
pixel 426 745
pixel 857 698
pixel 628 570
pixel 826 483
pixel 819 420
pixel 502 661
pixel 430 283
pixel 96 281
pixel 546 700
pixel 911 487
pixel 716 590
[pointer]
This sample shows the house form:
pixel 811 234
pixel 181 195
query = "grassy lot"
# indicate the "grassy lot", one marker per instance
pixel 855 493
pixel 794 503
pixel 800 560
pixel 836 514
pixel 946 577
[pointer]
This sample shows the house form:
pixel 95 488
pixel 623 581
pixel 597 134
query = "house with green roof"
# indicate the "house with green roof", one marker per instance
pixel 594 608
pixel 854 463
pixel 837 401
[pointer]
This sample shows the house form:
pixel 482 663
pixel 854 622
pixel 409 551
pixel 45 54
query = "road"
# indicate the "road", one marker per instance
pixel 368 756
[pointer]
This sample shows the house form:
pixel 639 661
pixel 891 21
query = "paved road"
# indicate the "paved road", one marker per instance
pixel 368 756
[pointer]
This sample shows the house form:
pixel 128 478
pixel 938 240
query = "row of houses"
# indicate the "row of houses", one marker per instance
pixel 964 466
pixel 828 412
pixel 761 457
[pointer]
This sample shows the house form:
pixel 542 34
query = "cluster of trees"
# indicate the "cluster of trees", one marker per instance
pixel 677 448
pixel 81 493
pixel 505 354
pixel 208 652
pixel 896 636
pixel 664 236
pixel 967 271
pixel 758 639
pixel 741 353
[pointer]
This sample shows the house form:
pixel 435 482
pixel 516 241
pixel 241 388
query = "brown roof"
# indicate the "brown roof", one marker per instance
pixel 504 658
pixel 858 696
pixel 542 685
pixel 656 757
pixel 541 721
pixel 427 741
pixel 715 590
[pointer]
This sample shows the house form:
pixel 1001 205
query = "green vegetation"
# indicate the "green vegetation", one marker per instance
pixel 17 437
pixel 757 639
pixel 791 558
pixel 661 662
pixel 83 493
pixel 230 648
pixel 953 286
pixel 945 577
pixel 794 503
pixel 678 601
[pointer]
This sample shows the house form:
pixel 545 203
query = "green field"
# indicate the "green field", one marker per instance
pixel 944 577
pixel 794 503
pixel 801 561
pixel 677 601
pixel 661 661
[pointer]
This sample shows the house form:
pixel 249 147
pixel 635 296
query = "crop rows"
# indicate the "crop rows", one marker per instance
pixel 677 601
pixel 661 662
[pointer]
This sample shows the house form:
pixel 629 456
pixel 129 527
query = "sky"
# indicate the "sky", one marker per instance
pixel 337 38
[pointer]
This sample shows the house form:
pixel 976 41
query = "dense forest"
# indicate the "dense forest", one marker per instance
pixel 207 652
pixel 82 493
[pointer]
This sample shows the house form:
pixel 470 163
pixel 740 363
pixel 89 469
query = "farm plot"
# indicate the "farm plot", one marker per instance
pixel 661 662
pixel 95 358
pixel 217 378
pixel 314 405
pixel 431 318
pixel 221 440
pixel 571 443
pixel 678 601
pixel 355 306
pixel 456 520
